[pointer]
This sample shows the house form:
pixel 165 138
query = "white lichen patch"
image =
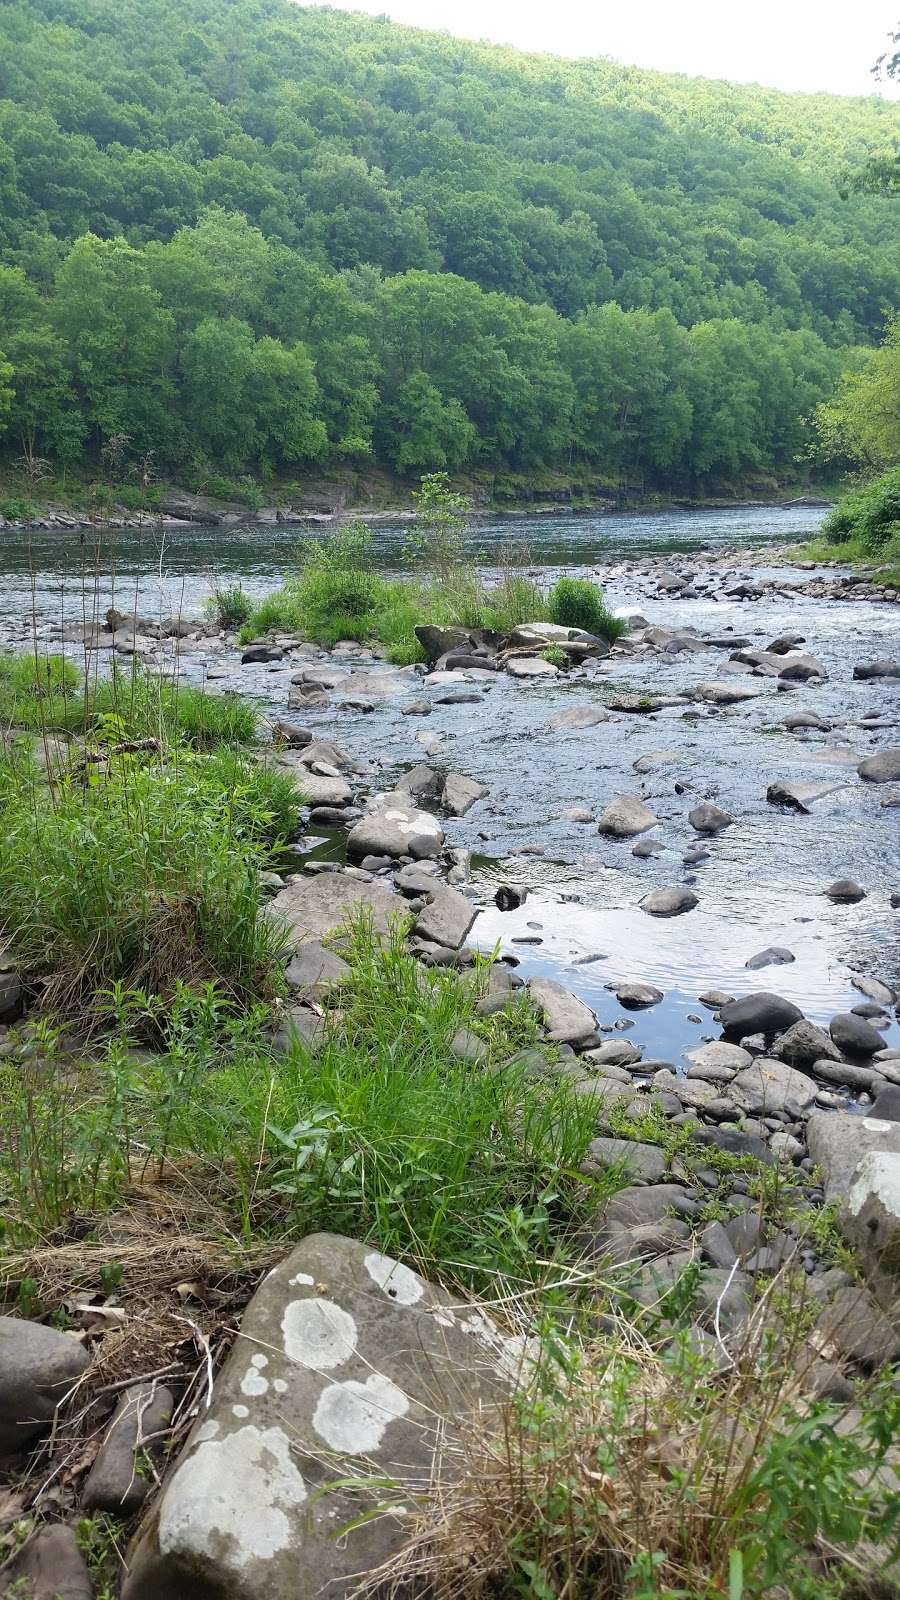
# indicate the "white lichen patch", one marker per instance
pixel 399 1283
pixel 240 1411
pixel 518 1356
pixel 319 1334
pixel 253 1383
pixel 279 1386
pixel 876 1125
pixel 877 1178
pixel 352 1417
pixel 301 1280
pixel 207 1430
pixel 242 1490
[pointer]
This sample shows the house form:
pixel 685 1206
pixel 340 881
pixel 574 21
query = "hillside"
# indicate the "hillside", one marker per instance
pixel 345 240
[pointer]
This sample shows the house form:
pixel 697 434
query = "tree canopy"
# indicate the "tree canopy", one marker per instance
pixel 268 237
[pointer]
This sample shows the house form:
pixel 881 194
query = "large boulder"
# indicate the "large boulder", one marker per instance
pixel 49 1567
pixel 312 907
pixel 839 1141
pixel 801 669
pixel 758 1013
pixel 446 919
pixel 870 1218
pixel 567 1019
pixel 393 827
pixel 437 641
pixel 881 768
pixel 38 1367
pixel 349 1372
pixel 709 818
pixel 625 817
pixel 460 793
pixel 854 1035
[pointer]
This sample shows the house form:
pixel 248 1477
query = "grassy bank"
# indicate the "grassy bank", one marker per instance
pixel 864 530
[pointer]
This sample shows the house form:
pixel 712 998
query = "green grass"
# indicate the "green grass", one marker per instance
pixel 230 607
pixel 144 872
pixel 578 603
pixel 48 694
pixel 854 553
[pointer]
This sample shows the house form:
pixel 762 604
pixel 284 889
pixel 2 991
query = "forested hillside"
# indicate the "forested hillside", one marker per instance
pixel 253 237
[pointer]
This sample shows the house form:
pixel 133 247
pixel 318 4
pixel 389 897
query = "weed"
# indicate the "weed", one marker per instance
pixel 230 607
pixel 578 603
pixel 556 656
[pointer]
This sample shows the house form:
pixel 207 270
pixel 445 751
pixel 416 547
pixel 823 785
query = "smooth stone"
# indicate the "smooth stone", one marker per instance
pixel 845 891
pixel 393 827
pixel 656 758
pixel 670 902
pixel 615 1053
pixel 854 1036
pixel 566 1018
pixel 645 848
pixel 805 719
pixel 725 694
pixel 718 1057
pixel 576 717
pixel 773 956
pixel 883 668
pixel 880 992
pixel 446 918
pixel 644 1163
pixel 801 669
pixel 115 1482
pixel 38 1367
pixel 709 818
pixel 626 816
pixel 49 1567
pixel 881 768
pixel 531 667
pixel 636 996
pixel 760 1012
pixel 797 795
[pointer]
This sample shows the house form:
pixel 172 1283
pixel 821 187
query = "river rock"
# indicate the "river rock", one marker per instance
pixel 854 1036
pixel 538 635
pixel 115 1482
pixel 49 1567
pixel 261 652
pixel 314 969
pixel 671 902
pixel 870 1218
pixel 802 668
pixel 887 1103
pixel 395 828
pixel 768 1086
pixel 291 734
pixel 38 1367
pixel 446 919
pixel 803 1042
pixel 636 996
pixel 798 795
pixel 437 641
pixel 717 1061
pixel 709 818
pixel 317 790
pixel 625 816
pixel 640 1163
pixel 725 694
pixel 460 794
pixel 773 956
pixel 645 848
pixel 881 993
pixel 784 643
pixel 566 1018
pixel 857 1326
pixel 656 758
pixel 614 1053
pixel 884 668
pixel 576 717
pixel 844 891
pixel 838 1141
pixel 420 782
pixel 762 1012
pixel 531 667
pixel 347 1365
pixel 313 907
pixel 881 768
pixel 805 719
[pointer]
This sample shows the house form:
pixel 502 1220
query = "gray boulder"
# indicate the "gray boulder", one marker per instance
pixel 349 1372
pixel 446 919
pixel 49 1567
pixel 803 1042
pixel 870 1219
pixel 801 668
pixel 116 1483
pixel 671 902
pixel 311 907
pixel 845 892
pixel 881 768
pixel 625 816
pixel 393 827
pixel 773 956
pixel 839 1141
pixel 437 641
pixel 770 1086
pixel 725 694
pixel 883 668
pixel 566 1018
pixel 641 1163
pixel 314 969
pixel 460 794
pixel 796 795
pixel 636 996
pixel 758 1013
pixel 38 1367
pixel 709 818
pixel 854 1036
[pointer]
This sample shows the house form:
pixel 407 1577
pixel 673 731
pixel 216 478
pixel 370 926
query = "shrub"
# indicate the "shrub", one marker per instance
pixel 578 603
pixel 556 656
pixel 231 608
pixel 146 874
pixel 871 514
pixel 16 508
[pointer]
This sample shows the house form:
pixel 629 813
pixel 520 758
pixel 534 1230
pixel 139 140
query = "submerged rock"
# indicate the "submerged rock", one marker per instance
pixel 845 891
pixel 798 795
pixel 709 818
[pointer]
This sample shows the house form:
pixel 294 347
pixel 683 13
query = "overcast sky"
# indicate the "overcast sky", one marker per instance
pixel 789 44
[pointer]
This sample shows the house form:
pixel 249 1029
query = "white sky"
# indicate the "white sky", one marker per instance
pixel 788 44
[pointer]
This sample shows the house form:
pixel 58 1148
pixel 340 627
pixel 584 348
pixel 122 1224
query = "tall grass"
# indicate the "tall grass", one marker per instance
pixel 578 603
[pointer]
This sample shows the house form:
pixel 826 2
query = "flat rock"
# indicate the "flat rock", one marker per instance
pixel 314 969
pixel 802 668
pixel 709 818
pixel 347 1366
pixel 576 717
pixel 316 790
pixel 531 667
pixel 769 1086
pixel 393 827
pixel 717 1057
pixel 798 795
pixel 446 919
pixel 644 1163
pixel 694 1092
pixel 625 817
pixel 670 902
pixel 726 694
pixel 881 768
pixel 882 993
pixel 460 794
pixel 637 996
pixel 38 1367
pixel 761 1012
pixel 656 758
pixel 313 907
pixel 566 1018
pixel 838 1141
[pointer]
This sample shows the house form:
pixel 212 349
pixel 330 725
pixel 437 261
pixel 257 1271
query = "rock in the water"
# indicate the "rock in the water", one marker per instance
pixel 796 795
pixel 709 818
pixel 446 919
pixel 531 667
pixel 838 1141
pixel 806 719
pixel 881 768
pixel 291 734
pixel 845 892
pixel 625 816
pixel 803 1042
pixel 636 996
pixel 38 1367
pixel 312 907
pixel 262 652
pixel 773 956
pixel 49 1567
pixel 883 668
pixel 881 993
pixel 460 794
pixel 566 1018
pixel 725 694
pixel 576 717
pixel 116 1483
pixel 437 641
pixel 801 668
pixel 348 1366
pixel 769 1086
pixel 854 1036
pixel 395 828
pixel 668 902
pixel 758 1013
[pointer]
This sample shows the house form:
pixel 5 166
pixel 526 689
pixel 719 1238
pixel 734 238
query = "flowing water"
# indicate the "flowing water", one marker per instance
pixel 762 882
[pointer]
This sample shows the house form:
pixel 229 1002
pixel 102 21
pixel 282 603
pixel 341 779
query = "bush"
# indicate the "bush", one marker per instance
pixel 231 608
pixel 145 874
pixel 870 514
pixel 578 603
pixel 16 508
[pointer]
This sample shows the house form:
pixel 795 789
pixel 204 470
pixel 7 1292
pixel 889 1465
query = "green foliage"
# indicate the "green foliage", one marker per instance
pixel 231 608
pixel 273 236
pixel 556 656
pixel 870 514
pixel 145 873
pixel 860 425
pixel 578 603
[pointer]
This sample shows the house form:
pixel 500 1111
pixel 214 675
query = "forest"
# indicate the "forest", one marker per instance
pixel 257 238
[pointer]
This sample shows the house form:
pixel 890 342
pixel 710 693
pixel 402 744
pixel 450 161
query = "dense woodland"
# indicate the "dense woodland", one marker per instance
pixel 256 238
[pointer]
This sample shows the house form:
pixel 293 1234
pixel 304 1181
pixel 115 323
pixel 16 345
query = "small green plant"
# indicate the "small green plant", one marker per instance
pixel 230 607
pixel 556 656
pixel 578 603
pixel 438 539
